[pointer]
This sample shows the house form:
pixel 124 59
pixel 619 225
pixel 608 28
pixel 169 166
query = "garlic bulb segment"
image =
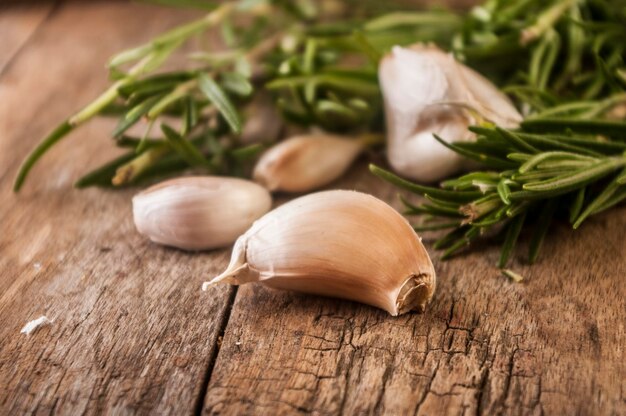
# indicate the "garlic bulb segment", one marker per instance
pixel 342 244
pixel 426 91
pixel 307 162
pixel 263 121
pixel 197 213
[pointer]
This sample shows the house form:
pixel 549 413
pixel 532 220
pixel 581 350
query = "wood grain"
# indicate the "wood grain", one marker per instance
pixel 18 22
pixel 132 332
pixel 551 345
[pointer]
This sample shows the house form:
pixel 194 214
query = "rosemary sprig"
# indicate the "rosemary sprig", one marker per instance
pixel 542 181
pixel 320 72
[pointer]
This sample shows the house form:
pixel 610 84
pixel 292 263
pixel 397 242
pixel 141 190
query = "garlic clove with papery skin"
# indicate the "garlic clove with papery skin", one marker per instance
pixel 199 213
pixel 306 162
pixel 342 244
pixel 426 91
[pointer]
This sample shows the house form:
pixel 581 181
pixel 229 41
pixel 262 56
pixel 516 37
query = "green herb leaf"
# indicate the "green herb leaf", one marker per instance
pixel 218 97
pixel 184 148
pixel 512 234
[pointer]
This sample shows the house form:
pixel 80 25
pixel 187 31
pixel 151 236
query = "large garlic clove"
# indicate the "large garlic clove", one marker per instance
pixel 307 162
pixel 427 91
pixel 341 244
pixel 197 213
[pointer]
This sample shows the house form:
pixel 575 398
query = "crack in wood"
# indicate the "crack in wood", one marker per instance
pixel 199 406
pixel 54 8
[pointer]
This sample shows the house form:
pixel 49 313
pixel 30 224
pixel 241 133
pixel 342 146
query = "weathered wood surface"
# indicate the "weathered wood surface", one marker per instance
pixel 133 333
pixel 17 25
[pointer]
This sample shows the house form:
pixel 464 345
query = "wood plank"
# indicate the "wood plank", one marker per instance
pixel 132 330
pixel 18 22
pixel 553 344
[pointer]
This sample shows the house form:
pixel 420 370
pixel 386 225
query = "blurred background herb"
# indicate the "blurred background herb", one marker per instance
pixel 317 65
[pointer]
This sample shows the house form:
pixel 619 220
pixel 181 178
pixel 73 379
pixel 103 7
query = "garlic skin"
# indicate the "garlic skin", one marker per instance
pixel 199 213
pixel 307 162
pixel 426 91
pixel 342 244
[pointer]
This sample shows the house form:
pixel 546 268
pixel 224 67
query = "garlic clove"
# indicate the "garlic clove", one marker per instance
pixel 491 102
pixel 441 161
pixel 198 213
pixel 426 91
pixel 307 162
pixel 342 244
pixel 263 121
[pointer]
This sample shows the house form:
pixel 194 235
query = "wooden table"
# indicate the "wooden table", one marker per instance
pixel 133 332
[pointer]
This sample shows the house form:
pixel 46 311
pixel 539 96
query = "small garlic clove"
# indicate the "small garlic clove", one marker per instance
pixel 198 213
pixel 307 162
pixel 263 121
pixel 342 244
pixel 427 91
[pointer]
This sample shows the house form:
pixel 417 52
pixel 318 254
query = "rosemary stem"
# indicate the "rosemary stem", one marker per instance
pixel 151 58
pixel 545 21
pixel 178 93
pixel 129 171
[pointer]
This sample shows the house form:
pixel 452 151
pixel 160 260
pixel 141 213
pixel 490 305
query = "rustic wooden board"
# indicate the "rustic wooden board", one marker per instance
pixel 132 330
pixel 18 22
pixel 133 333
pixel 553 344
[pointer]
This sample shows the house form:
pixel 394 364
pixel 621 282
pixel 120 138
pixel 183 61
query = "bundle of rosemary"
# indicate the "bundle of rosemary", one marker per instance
pixel 191 116
pixel 564 63
pixel 561 60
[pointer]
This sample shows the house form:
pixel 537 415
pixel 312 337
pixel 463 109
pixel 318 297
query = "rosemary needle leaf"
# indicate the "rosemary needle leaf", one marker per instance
pixel 237 84
pixel 492 162
pixel 541 229
pixel 133 142
pixel 598 201
pixel 184 148
pixel 461 243
pixel 504 191
pixel 154 83
pixel 512 234
pixel 519 157
pixel 134 115
pixel 578 178
pixel 547 143
pixel 542 157
pixel 218 97
pixel 516 140
pixel 450 237
pixel 455 196
pixel 370 51
pixel 433 210
pixel 50 140
pixel 577 205
pixel 102 176
pixel 619 196
pixel 435 227
pixel 190 116
pixel 247 152
pixel 592 126
pixel 343 82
